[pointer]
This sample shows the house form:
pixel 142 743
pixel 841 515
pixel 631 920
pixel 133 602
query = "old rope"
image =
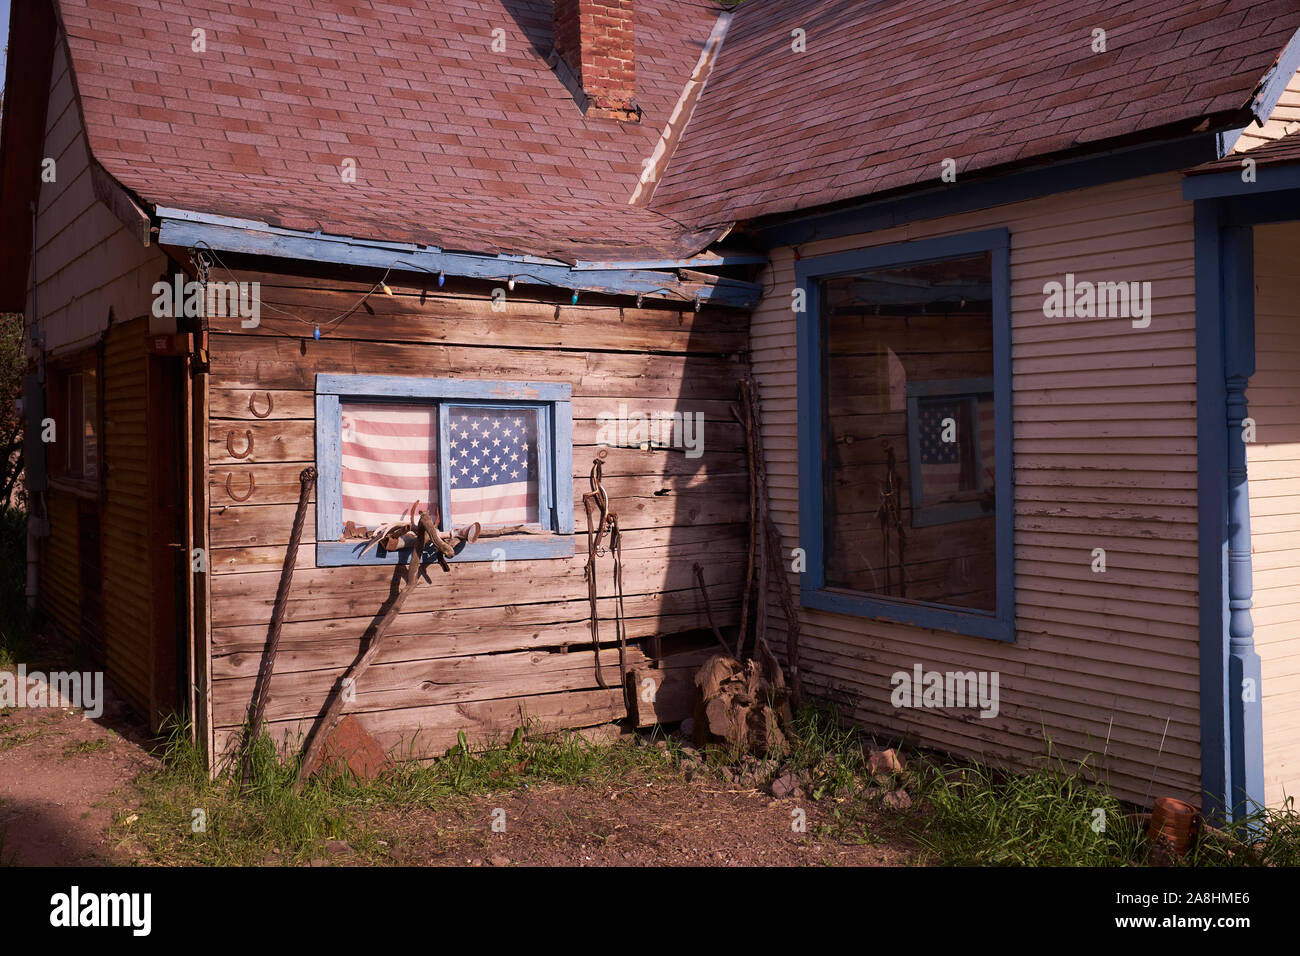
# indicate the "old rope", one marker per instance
pixel 262 689
pixel 597 501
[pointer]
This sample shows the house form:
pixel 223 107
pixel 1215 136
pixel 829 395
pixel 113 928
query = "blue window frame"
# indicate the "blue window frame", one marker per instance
pixel 550 403
pixel 811 274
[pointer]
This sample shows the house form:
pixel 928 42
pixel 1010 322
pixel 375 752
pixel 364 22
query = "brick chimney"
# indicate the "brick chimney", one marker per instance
pixel 595 39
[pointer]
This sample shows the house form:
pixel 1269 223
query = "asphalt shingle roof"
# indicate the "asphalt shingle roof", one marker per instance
pixel 465 148
pixel 888 89
pixel 456 145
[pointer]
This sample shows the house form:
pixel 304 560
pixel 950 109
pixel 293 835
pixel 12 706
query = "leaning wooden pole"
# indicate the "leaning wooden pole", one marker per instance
pixel 377 632
pixel 262 689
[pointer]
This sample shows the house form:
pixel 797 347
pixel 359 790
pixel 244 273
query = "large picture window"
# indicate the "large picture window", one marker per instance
pixel 905 444
pixel 495 453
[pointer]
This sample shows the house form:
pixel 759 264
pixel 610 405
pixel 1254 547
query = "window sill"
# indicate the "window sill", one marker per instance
pixel 930 616
pixel 524 547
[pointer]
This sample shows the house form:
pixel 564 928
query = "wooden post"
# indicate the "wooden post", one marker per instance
pixel 377 632
pixel 262 688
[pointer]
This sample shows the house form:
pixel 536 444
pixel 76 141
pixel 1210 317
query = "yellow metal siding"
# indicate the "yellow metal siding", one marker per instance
pixel 124 535
pixel 1105 456
pixel 60 573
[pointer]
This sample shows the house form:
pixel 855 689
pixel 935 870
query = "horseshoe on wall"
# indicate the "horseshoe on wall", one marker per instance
pixel 270 405
pixel 248 494
pixel 248 449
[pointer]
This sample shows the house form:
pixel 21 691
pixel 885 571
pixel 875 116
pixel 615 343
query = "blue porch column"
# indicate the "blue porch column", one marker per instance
pixel 1243 690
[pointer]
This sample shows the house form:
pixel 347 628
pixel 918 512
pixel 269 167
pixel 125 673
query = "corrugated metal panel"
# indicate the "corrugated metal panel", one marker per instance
pixel 127 616
pixel 1105 456
pixel 1274 468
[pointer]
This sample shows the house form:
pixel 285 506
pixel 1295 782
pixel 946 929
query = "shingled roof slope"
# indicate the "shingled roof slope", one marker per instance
pixel 1283 151
pixel 456 145
pixel 888 89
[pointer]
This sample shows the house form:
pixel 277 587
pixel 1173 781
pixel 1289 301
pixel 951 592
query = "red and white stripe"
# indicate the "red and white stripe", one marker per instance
pixel 390 459
pixel 512 503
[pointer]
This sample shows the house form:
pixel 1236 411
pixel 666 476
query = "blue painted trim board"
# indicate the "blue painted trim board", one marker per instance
pixel 1232 749
pixel 1275 83
pixel 550 402
pixel 1211 491
pixel 1229 182
pixel 261 239
pixel 810 362
pixel 1245 711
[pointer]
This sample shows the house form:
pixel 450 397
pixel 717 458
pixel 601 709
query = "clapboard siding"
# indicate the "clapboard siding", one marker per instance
pixel 476 650
pixel 124 516
pixel 1274 471
pixel 87 261
pixel 1104 665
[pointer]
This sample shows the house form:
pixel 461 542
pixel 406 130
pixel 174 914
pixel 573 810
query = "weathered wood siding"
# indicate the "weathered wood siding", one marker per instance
pixel 1105 456
pixel 87 261
pixel 476 649
pixel 1274 471
pixel 124 540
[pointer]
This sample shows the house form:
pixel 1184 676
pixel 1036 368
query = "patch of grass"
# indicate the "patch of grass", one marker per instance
pixel 293 827
pixel 86 747
pixel 1053 816
pixel 17 738
pixel 1267 837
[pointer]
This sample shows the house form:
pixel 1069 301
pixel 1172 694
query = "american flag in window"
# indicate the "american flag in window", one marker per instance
pixel 492 465
pixel 390 460
pixel 955 437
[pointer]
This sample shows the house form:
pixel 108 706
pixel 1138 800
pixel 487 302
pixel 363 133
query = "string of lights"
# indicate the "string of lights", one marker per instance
pixel 202 248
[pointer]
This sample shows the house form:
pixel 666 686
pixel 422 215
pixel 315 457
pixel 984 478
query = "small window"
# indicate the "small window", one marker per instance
pixel 496 453
pixel 74 453
pixel 910 445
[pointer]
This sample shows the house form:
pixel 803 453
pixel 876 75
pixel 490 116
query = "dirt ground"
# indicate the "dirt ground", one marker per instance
pixel 661 823
pixel 63 778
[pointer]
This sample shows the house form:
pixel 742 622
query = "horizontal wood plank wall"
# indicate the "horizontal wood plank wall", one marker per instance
pixel 1105 456
pixel 60 571
pixel 477 650
pixel 1274 470
pixel 87 261
pixel 124 518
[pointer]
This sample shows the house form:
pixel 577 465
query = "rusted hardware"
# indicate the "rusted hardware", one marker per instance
pixel 248 449
pixel 270 405
pixel 252 483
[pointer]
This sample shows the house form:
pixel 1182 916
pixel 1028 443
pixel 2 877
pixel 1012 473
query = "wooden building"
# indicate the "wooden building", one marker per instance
pixel 1011 292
